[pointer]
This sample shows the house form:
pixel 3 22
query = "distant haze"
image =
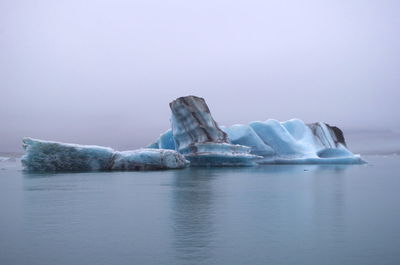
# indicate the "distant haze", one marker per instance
pixel 103 72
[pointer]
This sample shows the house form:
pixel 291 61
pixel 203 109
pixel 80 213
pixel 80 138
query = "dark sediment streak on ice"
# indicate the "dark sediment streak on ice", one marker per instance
pixel 197 135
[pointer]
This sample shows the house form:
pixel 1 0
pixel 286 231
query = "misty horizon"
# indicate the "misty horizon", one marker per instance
pixel 103 73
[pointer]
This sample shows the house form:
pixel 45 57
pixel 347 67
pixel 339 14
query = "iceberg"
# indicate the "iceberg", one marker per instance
pixel 3 158
pixel 148 159
pixel 245 135
pixel 165 141
pixel 49 156
pixel 197 136
pixel 296 142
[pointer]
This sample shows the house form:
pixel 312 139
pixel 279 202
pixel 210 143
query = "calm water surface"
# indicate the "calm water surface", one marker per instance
pixel 285 215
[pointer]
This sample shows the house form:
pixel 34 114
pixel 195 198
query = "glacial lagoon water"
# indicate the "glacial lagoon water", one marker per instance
pixel 281 214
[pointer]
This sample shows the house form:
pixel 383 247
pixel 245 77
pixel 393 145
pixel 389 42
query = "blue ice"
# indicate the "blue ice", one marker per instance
pixel 50 156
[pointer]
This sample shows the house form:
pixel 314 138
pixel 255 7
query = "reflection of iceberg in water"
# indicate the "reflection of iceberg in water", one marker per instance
pixel 233 206
pixel 286 169
pixel 193 213
pixel 329 204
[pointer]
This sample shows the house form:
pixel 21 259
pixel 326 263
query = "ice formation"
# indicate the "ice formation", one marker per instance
pixel 147 159
pixel 197 136
pixel 294 141
pixel 54 156
pixel 3 158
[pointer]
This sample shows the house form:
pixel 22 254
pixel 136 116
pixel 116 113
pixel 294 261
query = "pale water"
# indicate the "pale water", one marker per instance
pixel 292 214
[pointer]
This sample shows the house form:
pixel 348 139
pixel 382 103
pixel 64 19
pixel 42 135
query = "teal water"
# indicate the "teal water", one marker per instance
pixel 287 214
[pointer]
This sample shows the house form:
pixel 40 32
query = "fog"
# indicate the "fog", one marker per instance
pixel 103 72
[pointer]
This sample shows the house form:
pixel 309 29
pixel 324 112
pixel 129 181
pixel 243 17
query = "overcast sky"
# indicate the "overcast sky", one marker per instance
pixel 103 72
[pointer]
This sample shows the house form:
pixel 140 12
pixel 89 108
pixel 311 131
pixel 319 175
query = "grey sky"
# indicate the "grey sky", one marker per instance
pixel 103 72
